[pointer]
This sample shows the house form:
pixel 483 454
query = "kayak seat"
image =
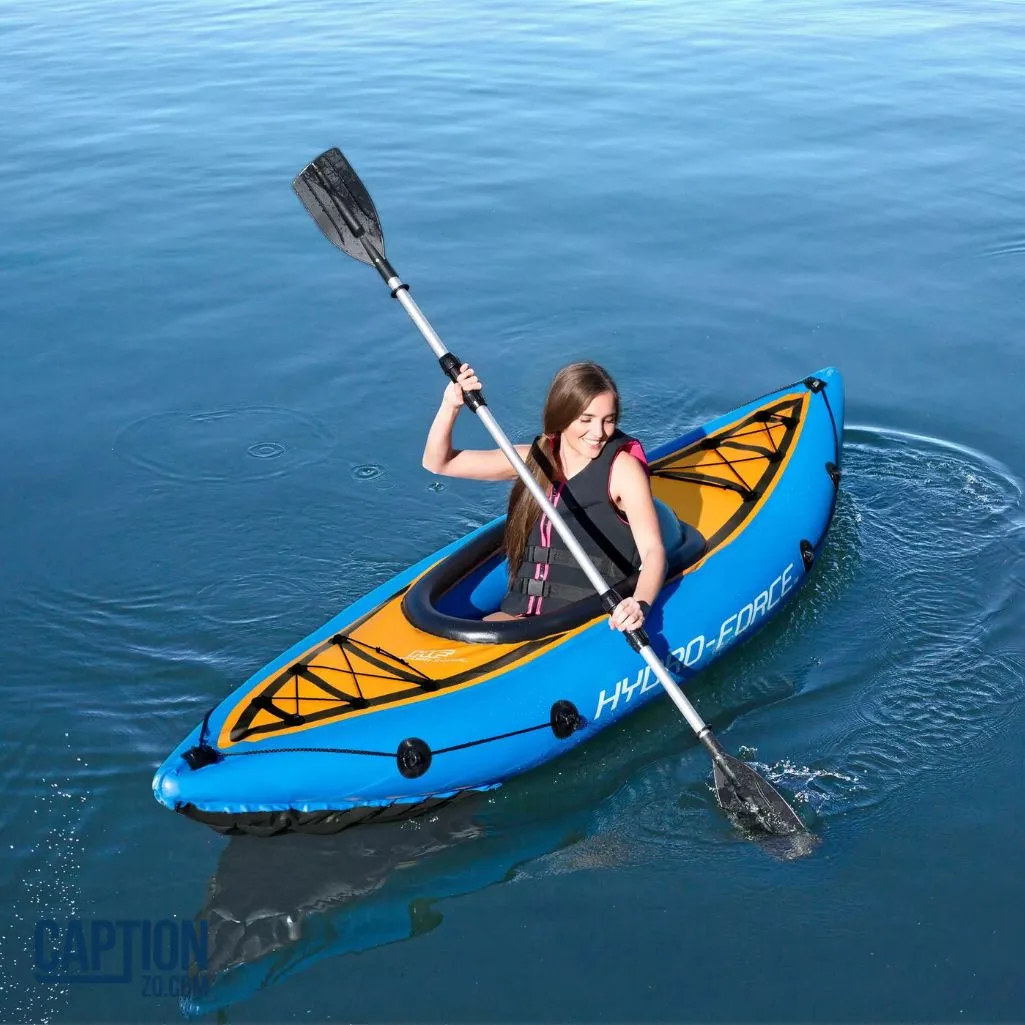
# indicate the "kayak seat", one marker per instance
pixel 450 599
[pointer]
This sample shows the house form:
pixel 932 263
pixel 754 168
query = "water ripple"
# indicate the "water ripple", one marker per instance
pixel 899 657
pixel 925 668
pixel 227 445
pixel 1012 247
pixel 943 549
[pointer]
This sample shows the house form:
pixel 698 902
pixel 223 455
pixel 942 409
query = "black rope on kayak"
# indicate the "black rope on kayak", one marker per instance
pixel 204 730
pixel 776 455
pixel 772 453
pixel 337 639
pixel 265 703
pixel 381 754
pixel 761 452
pixel 499 736
pixel 306 672
pixel 736 473
pixel 763 419
pixel 832 420
pixel 417 676
pixel 393 671
pixel 817 386
pixel 700 478
pixel 757 420
pixel 765 415
pixel 729 440
pixel 387 654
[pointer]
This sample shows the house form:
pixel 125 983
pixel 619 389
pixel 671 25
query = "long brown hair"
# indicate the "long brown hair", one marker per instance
pixel 570 393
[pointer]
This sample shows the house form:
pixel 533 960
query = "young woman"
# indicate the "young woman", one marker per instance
pixel 595 476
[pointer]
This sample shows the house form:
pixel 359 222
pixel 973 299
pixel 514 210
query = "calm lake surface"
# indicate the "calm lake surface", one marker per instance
pixel 211 425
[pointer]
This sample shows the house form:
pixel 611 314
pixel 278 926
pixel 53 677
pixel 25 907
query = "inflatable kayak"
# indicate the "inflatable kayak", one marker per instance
pixel 406 700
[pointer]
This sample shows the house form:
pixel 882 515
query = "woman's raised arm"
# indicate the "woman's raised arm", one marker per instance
pixel 474 464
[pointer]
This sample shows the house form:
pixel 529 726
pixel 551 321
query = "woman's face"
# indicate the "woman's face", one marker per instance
pixel 586 436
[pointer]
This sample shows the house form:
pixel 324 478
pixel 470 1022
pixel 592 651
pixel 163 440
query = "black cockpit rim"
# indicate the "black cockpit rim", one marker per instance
pixel 419 604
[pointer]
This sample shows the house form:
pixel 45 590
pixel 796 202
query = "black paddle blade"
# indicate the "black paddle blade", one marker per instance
pixel 752 799
pixel 338 201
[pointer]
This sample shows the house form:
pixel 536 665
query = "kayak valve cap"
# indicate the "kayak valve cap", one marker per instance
pixel 414 757
pixel 565 719
pixel 808 554
pixel 201 755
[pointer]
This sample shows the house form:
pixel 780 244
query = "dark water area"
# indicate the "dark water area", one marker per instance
pixel 212 422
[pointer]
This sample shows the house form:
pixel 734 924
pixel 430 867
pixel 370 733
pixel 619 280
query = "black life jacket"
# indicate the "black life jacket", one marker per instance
pixel 548 577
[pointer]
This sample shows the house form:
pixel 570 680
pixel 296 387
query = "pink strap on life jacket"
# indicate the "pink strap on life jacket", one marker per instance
pixel 541 571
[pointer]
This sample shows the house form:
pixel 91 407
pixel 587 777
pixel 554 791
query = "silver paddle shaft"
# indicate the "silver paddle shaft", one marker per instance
pixel 598 582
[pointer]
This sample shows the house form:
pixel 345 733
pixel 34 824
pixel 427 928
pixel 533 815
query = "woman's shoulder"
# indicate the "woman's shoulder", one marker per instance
pixel 627 462
pixel 627 449
pixel 629 482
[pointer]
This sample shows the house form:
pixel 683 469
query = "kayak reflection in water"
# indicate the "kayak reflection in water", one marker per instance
pixel 274 910
pixel 593 473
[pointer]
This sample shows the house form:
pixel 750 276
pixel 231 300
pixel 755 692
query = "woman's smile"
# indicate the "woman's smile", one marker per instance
pixel 589 432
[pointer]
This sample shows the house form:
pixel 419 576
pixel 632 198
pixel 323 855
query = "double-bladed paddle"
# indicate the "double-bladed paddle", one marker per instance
pixel 338 201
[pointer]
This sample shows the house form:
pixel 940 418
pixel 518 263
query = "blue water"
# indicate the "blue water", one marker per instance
pixel 211 425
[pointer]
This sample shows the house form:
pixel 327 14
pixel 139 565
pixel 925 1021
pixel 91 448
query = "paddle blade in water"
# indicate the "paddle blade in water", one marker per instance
pixel 752 799
pixel 338 201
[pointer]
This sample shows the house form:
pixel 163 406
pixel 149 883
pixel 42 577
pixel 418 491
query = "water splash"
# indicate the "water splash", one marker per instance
pixel 49 870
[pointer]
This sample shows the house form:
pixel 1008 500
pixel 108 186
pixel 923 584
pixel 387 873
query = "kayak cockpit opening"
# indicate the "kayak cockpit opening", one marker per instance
pixel 451 599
